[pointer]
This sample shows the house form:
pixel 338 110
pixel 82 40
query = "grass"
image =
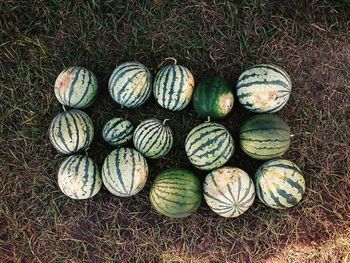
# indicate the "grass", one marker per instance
pixel 38 39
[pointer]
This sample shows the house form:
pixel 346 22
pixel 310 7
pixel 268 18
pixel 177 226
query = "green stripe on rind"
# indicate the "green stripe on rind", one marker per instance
pixel 79 177
pixel 177 99
pixel 220 158
pixel 88 132
pixel 166 212
pixel 216 199
pixel 108 180
pixel 254 72
pixel 278 70
pixel 219 190
pixel 265 82
pixel 171 197
pixel 165 93
pixel 77 75
pixel 89 94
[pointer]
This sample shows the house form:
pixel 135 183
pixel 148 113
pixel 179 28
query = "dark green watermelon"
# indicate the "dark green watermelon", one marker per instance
pixel 213 98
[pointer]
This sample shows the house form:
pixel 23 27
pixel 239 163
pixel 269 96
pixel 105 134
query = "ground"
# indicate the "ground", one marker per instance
pixel 310 39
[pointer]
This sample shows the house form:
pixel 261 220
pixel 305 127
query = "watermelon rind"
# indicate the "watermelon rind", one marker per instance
pixel 130 84
pixel 213 98
pixel 153 138
pixel 76 87
pixel 265 137
pixel 173 87
pixel 124 172
pixel 117 131
pixel 279 183
pixel 79 177
pixel 229 191
pixel 71 131
pixel 209 146
pixel 264 88
pixel 176 193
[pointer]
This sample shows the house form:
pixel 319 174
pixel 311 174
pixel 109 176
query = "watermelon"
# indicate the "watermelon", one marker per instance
pixel 176 193
pixel 173 87
pixel 153 138
pixel 229 191
pixel 79 177
pixel 71 131
pixel 124 172
pixel 279 183
pixel 117 131
pixel 130 84
pixel 264 137
pixel 76 87
pixel 213 98
pixel 264 88
pixel 209 146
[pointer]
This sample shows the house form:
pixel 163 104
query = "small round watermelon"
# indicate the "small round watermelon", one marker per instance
pixel 71 131
pixel 209 146
pixel 76 87
pixel 176 193
pixel 264 137
pixel 153 138
pixel 264 88
pixel 173 87
pixel 279 183
pixel 130 84
pixel 229 191
pixel 213 98
pixel 117 131
pixel 79 177
pixel 124 172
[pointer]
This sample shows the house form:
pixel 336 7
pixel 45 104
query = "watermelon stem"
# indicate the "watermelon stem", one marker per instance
pixel 169 58
pixel 165 121
pixel 208 120
pixel 64 108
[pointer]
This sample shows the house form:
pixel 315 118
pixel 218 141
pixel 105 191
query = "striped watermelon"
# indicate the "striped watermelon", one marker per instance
pixel 124 172
pixel 176 193
pixel 79 177
pixel 264 88
pixel 76 87
pixel 173 87
pixel 279 183
pixel 209 146
pixel 153 138
pixel 117 131
pixel 130 84
pixel 264 137
pixel 213 98
pixel 229 191
pixel 71 131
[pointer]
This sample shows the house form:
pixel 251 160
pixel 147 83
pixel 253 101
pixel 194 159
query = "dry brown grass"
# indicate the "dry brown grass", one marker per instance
pixel 310 40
